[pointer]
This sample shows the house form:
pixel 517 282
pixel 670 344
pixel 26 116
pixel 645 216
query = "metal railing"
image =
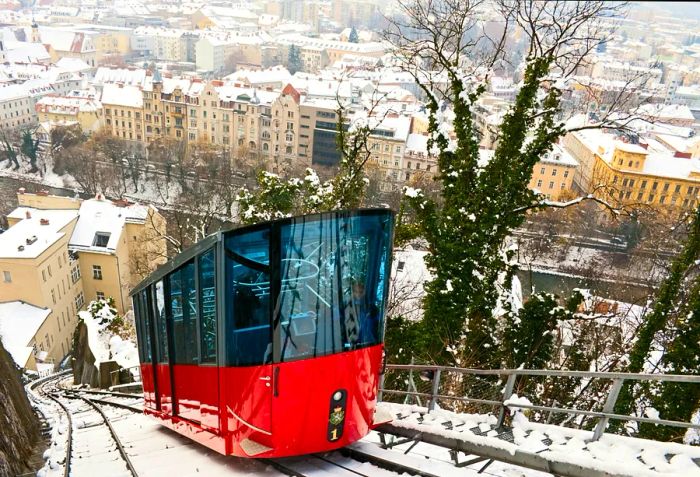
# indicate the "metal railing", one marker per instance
pixel 490 383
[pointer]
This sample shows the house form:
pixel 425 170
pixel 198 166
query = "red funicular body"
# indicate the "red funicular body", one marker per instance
pixel 267 341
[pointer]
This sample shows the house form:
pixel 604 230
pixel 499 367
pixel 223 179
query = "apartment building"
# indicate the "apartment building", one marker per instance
pixel 60 253
pixel 39 281
pixel 553 175
pixel 636 176
pixel 123 111
pixel 17 102
pixel 83 110
pixel 417 161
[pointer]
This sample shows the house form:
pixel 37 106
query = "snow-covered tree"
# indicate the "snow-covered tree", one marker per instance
pixel 354 37
pixel 294 62
pixel 278 197
pixel 674 313
pixel 484 198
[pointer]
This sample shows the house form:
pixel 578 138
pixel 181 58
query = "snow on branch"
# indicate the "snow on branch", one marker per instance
pixel 562 205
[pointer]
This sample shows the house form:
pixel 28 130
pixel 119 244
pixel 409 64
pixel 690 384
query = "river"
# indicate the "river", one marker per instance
pixel 564 285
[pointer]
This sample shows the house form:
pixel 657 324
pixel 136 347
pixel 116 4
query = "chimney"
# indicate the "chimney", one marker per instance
pixel 682 155
pixel 44 221
pixel 31 240
pixel 43 193
pixel 21 190
pixel 28 214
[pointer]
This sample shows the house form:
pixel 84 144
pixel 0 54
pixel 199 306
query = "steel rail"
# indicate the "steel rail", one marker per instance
pixel 383 463
pixel 285 469
pixel 69 435
pixel 122 451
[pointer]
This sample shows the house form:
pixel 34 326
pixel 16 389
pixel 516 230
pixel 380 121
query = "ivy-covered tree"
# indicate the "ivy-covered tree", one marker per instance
pixel 529 331
pixel 8 148
pixel 483 199
pixel 353 37
pixel 30 148
pixel 294 63
pixel 678 401
pixel 668 301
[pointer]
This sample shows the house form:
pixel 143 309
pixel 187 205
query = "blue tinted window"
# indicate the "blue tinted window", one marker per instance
pixel 143 325
pixel 333 283
pixel 161 324
pixel 248 298
pixel 183 312
pixel 207 305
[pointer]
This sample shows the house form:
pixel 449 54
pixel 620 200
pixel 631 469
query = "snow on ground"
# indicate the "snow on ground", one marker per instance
pixel 105 345
pixel 617 455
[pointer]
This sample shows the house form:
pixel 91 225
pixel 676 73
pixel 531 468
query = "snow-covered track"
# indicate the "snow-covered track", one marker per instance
pixel 328 464
pixel 93 431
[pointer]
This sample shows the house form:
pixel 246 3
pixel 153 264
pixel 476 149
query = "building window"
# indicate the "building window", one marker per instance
pixel 97 272
pixel 79 301
pixel 566 174
pixel 49 270
pixel 551 184
pixel 539 183
pixel 100 295
pixel 7 277
pixel 554 172
pixel 101 239
pixel 75 274
pixel 53 296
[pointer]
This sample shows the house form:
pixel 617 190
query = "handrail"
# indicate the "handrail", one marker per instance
pixel 682 378
pixel 604 416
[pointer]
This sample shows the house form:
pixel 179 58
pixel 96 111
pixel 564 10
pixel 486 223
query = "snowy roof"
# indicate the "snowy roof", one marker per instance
pixel 232 93
pixel 666 165
pixel 72 64
pixel 128 76
pixel 559 156
pixel 666 111
pixel 277 74
pixel 417 143
pixel 64 40
pixel 29 238
pixel 22 51
pixel 122 95
pixel 67 104
pixel 19 323
pixel 102 219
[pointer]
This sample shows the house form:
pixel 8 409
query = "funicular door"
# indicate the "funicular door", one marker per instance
pixel 248 376
pixel 181 293
pixel 208 338
pixel 161 360
pixel 146 341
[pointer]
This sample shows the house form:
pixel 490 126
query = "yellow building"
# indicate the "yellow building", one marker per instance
pixel 123 111
pixel 553 175
pixel 84 110
pixel 60 253
pixel 38 279
pixel 631 175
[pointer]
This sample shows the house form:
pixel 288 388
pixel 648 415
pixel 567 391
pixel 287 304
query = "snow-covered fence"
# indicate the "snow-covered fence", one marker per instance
pixel 466 390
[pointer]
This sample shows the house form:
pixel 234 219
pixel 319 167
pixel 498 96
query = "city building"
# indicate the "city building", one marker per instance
pixel 83 110
pixel 553 175
pixel 60 253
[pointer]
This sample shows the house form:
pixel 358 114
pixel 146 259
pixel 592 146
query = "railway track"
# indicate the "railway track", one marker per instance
pixel 107 434
pixel 91 444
